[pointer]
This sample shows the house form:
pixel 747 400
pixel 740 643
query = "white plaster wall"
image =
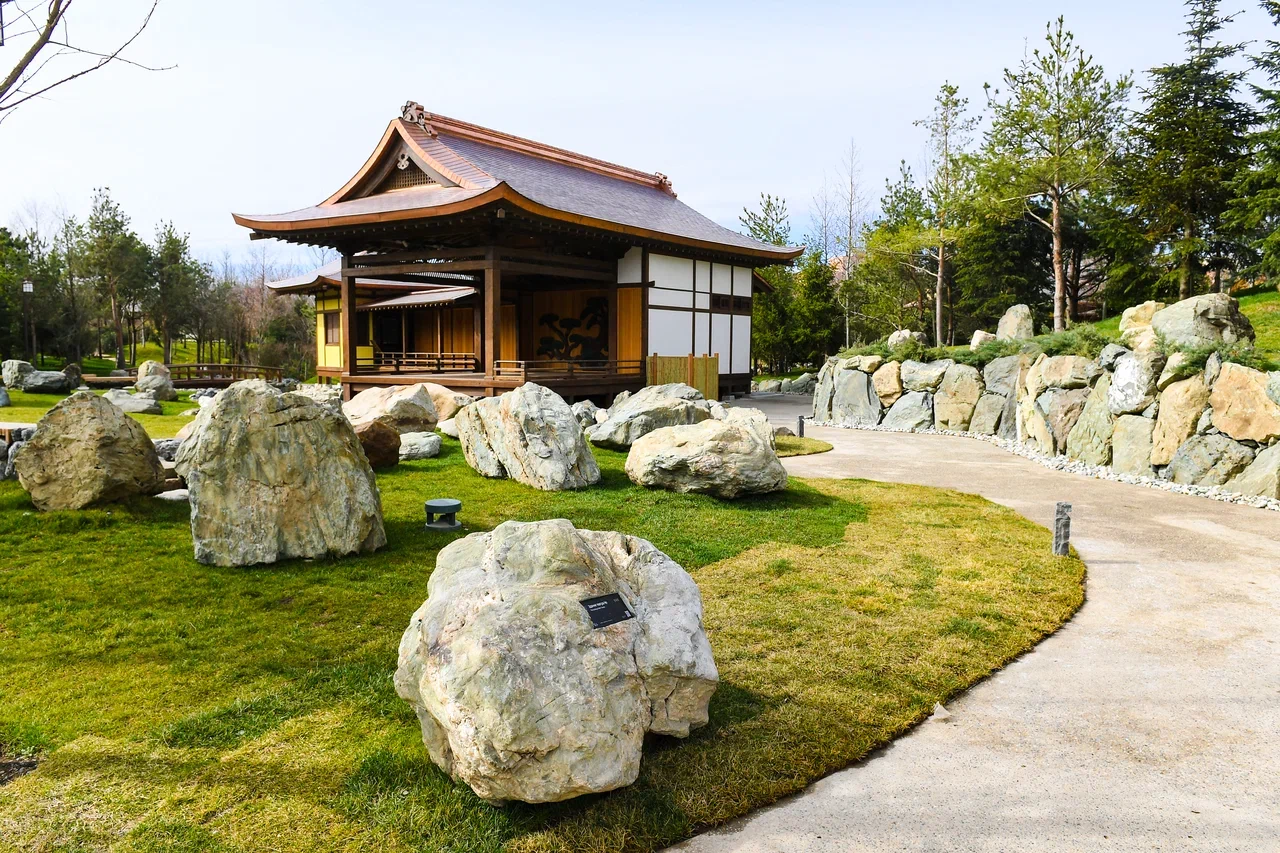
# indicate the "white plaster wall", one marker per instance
pixel 741 281
pixel 741 344
pixel 720 340
pixel 701 334
pixel 666 271
pixel 674 298
pixel 629 266
pixel 702 275
pixel 721 278
pixel 670 332
pixel 702 301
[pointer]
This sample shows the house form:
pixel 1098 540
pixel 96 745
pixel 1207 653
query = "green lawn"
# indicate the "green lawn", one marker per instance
pixel 183 352
pixel 790 445
pixel 175 706
pixel 29 408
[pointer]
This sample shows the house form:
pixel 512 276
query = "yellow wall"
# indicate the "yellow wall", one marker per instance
pixel 330 355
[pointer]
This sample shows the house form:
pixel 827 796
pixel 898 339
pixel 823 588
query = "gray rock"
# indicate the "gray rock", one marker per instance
pixel 404 408
pixel 10 471
pixel 786 386
pixel 14 370
pixel 1008 428
pixel 727 459
pixel 1212 368
pixel 1133 383
pixel 913 410
pixel 987 413
pixel 419 445
pixel 1208 460
pixel 530 435
pixel 134 404
pixel 1090 438
pixel 770 386
pixel 901 336
pixel 1016 324
pixel 922 376
pixel 650 408
pixel 854 400
pixel 803 384
pixel 1262 477
pixel 585 412
pixel 824 389
pixel 1205 424
pixel 47 382
pixel 273 476
pixel 4 397
pixel 1001 375
pixel 1061 408
pixel 167 448
pixel 448 427
pixel 329 396
pixel 154 377
pixel 86 451
pixel 1209 320
pixel 1131 446
pixel 1111 353
pixel 516 693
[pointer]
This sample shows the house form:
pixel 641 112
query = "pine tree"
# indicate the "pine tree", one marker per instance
pixel 1254 211
pixel 1190 144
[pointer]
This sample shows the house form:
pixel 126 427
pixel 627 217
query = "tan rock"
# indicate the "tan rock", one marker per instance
pixel 727 459
pixel 1131 445
pixel 87 451
pixel 273 476
pixel 957 395
pixel 1241 407
pixel 1032 384
pixel 1135 325
pixel 865 363
pixel 1181 405
pixel 987 414
pixel 448 403
pixel 888 382
pixel 1068 371
pixel 404 408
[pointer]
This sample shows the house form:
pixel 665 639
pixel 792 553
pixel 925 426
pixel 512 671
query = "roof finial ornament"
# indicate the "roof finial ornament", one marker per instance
pixel 414 113
pixel 664 183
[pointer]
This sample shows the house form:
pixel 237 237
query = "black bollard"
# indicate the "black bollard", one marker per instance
pixel 1062 529
pixel 800 426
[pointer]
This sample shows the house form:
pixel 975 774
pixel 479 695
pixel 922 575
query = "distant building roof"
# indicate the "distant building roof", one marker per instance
pixel 428 165
pixel 440 296
pixel 328 275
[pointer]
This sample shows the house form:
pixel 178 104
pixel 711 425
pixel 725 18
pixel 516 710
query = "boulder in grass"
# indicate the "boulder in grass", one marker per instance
pixel 1135 326
pixel 529 435
pixel 448 403
pixel 86 451
pixel 902 336
pixel 47 382
pixel 1016 324
pixel 273 476
pixel 404 408
pixel 585 411
pixel 381 443
pixel 725 458
pixel 650 408
pixel 518 695
pixel 448 427
pixel 143 403
pixel 979 338
pixel 419 445
pixel 14 370
pixel 154 377
pixel 1209 320
pixel 4 397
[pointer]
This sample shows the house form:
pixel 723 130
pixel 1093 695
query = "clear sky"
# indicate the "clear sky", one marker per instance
pixel 274 104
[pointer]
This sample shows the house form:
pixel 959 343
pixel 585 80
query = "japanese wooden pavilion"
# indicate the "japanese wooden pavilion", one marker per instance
pixel 479 260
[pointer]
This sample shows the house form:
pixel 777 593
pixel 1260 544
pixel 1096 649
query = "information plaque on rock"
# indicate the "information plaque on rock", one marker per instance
pixel 606 610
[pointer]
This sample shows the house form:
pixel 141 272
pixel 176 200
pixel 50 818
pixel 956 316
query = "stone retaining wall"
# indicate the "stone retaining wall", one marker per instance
pixel 1131 411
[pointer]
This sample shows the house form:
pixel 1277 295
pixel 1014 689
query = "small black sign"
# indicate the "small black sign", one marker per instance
pixel 606 610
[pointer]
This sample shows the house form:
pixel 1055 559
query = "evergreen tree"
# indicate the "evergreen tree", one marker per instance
pixel 1254 210
pixel 1190 145
pixel 1051 140
pixel 118 262
pixel 894 280
pixel 772 318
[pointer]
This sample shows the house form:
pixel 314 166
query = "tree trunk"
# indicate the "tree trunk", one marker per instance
pixel 937 294
pixel 1184 267
pixel 168 347
pixel 1059 279
pixel 118 322
pixel 1218 284
pixel 1073 288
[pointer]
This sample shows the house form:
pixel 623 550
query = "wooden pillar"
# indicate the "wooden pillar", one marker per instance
pixel 492 313
pixel 612 335
pixel 347 300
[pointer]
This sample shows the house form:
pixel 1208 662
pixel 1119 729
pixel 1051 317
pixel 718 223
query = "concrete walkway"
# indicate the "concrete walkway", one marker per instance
pixel 1151 721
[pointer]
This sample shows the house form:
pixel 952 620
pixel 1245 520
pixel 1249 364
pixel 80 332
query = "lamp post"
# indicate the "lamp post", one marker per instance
pixel 29 339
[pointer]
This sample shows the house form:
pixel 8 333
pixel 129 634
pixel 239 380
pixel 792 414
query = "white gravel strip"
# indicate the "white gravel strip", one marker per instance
pixel 1073 466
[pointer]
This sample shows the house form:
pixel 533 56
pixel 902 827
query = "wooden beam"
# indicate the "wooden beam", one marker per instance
pixel 386 270
pixel 563 272
pixel 492 314
pixel 611 338
pixel 380 258
pixel 347 296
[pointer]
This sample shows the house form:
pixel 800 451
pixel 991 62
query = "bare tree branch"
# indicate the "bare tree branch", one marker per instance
pixel 15 87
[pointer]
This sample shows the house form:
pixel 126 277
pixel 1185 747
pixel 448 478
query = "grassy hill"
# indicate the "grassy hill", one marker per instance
pixel 183 353
pixel 1262 309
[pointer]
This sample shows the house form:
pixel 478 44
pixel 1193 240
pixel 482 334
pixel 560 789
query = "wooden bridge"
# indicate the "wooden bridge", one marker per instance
pixel 195 375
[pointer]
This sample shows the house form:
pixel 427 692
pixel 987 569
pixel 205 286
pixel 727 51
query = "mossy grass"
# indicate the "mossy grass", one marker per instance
pixel 30 408
pixel 175 706
pixel 790 445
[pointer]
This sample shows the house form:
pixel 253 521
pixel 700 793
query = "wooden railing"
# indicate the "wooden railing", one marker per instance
pixel 550 369
pixel 196 371
pixel 416 362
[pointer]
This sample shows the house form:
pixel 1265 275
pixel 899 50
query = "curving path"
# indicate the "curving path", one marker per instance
pixel 1151 721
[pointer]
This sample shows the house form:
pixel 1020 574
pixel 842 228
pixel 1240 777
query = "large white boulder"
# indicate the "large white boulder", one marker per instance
pixel 1209 320
pixel 447 402
pixel 404 408
pixel 901 336
pixel 13 371
pixel 326 395
pixel 1016 324
pixel 274 476
pixel 518 695
pixel 419 445
pixel 1133 384
pixel 530 435
pixel 86 451
pixel 650 408
pixel 142 403
pixel 155 378
pixel 726 458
